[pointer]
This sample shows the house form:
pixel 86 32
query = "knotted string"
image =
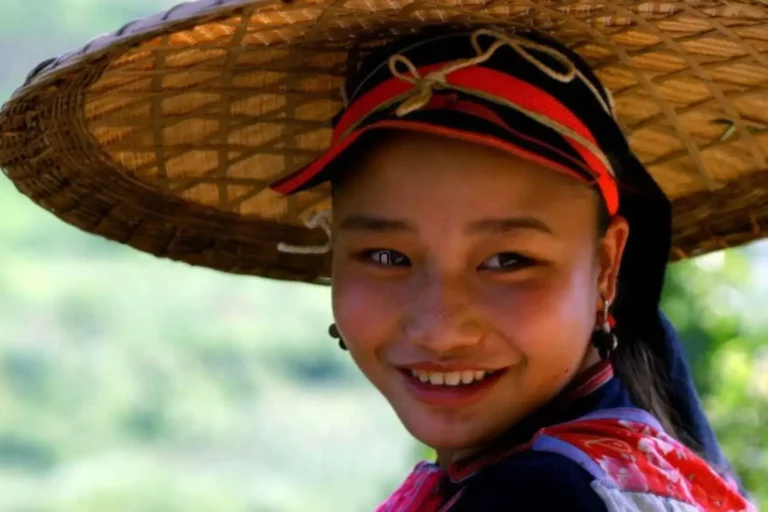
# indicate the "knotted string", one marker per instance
pixel 420 96
pixel 440 77
pixel 422 92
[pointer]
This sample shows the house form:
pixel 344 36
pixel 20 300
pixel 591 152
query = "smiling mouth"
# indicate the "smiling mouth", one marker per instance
pixel 455 378
pixel 459 388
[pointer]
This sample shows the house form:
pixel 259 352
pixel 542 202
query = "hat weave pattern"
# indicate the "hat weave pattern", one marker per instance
pixel 166 134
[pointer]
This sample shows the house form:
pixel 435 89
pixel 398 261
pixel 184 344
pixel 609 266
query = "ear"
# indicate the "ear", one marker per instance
pixel 610 251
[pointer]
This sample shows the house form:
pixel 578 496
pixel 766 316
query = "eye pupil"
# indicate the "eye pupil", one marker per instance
pixel 506 261
pixel 387 257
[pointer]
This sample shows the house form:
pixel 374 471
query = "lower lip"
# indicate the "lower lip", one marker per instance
pixel 450 396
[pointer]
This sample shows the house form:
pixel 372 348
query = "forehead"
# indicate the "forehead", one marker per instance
pixel 404 168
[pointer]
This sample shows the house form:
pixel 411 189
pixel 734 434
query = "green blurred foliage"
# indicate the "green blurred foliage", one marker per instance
pixel 131 384
pixel 718 304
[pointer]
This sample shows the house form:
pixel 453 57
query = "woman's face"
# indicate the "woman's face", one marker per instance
pixel 452 262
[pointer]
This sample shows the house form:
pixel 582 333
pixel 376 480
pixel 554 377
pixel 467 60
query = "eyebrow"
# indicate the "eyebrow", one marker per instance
pixel 377 224
pixel 500 226
pixel 492 225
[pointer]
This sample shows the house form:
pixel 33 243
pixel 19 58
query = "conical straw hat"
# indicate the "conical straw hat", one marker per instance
pixel 166 134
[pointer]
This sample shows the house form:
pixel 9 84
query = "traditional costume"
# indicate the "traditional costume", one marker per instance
pixel 209 134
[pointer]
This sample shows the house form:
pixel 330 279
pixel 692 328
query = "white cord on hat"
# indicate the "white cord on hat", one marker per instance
pixel 321 219
pixel 343 94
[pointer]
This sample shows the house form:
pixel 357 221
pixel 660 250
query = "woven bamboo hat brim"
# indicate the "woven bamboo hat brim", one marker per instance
pixel 166 134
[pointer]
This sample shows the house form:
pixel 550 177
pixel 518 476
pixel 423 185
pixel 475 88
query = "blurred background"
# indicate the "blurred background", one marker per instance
pixel 132 384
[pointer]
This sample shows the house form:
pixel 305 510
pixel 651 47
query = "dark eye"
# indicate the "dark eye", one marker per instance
pixel 387 258
pixel 506 261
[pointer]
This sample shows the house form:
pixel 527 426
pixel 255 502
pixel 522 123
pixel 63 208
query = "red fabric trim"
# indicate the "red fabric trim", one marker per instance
pixel 374 98
pixel 291 183
pixel 475 77
pixel 479 78
pixel 492 82
pixel 450 503
pixel 451 102
pixel 457 474
pixel 588 382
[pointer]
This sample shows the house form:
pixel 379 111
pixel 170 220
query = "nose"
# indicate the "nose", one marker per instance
pixel 442 318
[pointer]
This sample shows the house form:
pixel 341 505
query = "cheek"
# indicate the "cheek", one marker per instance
pixel 366 312
pixel 548 319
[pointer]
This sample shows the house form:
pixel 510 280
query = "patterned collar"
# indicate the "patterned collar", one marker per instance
pixel 569 404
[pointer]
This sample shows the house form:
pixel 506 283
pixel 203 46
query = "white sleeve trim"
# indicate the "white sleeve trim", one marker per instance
pixel 617 500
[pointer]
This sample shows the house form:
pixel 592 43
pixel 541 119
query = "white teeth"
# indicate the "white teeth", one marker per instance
pixel 451 378
pixel 436 379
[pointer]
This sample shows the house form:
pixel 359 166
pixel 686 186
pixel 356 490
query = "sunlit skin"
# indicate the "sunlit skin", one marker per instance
pixel 450 252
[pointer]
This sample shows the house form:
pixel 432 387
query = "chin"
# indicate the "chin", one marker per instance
pixel 448 430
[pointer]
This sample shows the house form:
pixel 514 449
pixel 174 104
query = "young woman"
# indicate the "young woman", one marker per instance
pixel 498 258
pixel 498 250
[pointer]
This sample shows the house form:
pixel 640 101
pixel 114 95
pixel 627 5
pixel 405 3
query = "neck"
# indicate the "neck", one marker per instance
pixel 447 457
pixel 590 360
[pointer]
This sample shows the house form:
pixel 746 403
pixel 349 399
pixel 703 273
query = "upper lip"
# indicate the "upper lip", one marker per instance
pixel 428 366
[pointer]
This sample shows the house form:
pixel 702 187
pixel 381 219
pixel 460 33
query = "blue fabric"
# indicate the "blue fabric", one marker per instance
pixel 686 402
pixel 541 481
pixel 534 482
pixel 538 481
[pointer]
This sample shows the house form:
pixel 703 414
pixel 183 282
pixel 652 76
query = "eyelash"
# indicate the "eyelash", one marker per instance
pixel 393 258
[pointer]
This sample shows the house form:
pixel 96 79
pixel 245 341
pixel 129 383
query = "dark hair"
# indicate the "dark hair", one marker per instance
pixel 637 364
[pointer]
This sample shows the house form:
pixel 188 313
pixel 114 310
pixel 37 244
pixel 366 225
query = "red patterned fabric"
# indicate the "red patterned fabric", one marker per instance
pixel 636 457
pixel 638 466
pixel 418 492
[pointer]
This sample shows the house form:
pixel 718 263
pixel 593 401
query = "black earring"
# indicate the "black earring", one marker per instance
pixel 334 333
pixel 603 338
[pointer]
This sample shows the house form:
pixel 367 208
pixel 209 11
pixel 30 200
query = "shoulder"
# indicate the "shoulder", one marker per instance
pixel 534 481
pixel 635 465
